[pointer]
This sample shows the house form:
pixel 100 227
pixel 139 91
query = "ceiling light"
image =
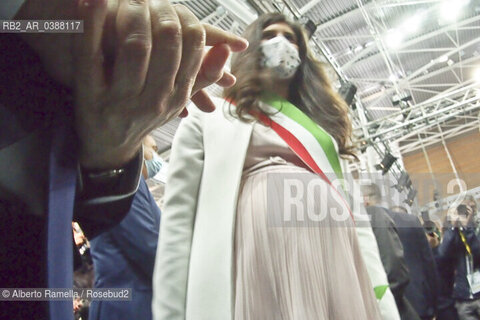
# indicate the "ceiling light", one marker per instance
pixel 443 59
pixel 412 193
pixel 436 198
pixel 394 39
pixel 220 11
pixel 401 97
pixel 347 92
pixel 476 75
pixel 450 62
pixel 386 163
pixel 404 182
pixel 393 78
pixel 412 24
pixel 450 10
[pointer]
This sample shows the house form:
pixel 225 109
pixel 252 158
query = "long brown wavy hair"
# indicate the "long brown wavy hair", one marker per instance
pixel 310 89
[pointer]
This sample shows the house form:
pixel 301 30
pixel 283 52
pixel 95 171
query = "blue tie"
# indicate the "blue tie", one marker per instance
pixel 62 181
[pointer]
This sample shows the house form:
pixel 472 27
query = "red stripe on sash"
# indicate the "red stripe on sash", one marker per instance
pixel 300 151
pixel 294 144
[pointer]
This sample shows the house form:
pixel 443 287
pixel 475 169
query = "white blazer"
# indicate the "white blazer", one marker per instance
pixel 193 276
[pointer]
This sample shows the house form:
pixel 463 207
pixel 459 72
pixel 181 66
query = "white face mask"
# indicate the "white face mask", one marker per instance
pixel 153 165
pixel 279 55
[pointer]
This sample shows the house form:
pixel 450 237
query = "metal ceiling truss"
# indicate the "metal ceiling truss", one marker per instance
pixel 372 52
pixel 450 202
pixel 450 101
pixel 429 138
pixel 440 89
pixel 423 73
pixel 350 37
pixel 264 6
pixel 420 117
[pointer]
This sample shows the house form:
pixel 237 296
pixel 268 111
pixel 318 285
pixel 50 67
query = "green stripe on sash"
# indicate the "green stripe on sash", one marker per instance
pixel 323 138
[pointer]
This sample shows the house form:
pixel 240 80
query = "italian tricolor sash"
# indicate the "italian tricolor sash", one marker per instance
pixel 316 148
pixel 312 144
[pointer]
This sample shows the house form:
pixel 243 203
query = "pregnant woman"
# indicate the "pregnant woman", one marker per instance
pixel 229 248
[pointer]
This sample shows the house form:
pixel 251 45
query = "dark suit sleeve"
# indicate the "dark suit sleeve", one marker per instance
pixel 429 264
pixel 449 245
pixel 391 251
pixel 137 234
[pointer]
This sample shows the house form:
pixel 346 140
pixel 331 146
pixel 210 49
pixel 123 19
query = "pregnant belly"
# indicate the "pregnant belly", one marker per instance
pixel 287 195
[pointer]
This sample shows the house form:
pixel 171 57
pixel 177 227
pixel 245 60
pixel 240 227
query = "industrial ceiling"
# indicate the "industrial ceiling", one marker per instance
pixel 416 63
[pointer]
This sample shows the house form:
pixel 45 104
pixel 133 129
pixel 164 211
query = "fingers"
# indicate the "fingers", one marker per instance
pixel 215 36
pixel 192 55
pixel 166 51
pixel 212 68
pixel 134 47
pixel 176 59
pixel 184 113
pixel 203 101
pixel 227 80
pixel 88 46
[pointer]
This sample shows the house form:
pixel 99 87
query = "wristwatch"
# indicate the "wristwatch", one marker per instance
pixel 111 182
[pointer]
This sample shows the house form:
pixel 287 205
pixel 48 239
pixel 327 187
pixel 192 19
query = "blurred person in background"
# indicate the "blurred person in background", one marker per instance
pixel 82 247
pixel 422 289
pixel 459 251
pixel 83 272
pixel 152 163
pixel 446 272
pixel 218 257
pixel 391 249
pixel 82 279
pixel 124 255
pixel 433 233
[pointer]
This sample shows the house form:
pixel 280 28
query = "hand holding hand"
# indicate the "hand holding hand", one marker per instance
pixel 157 64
